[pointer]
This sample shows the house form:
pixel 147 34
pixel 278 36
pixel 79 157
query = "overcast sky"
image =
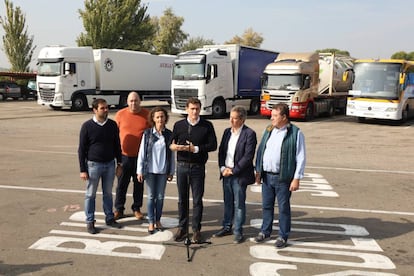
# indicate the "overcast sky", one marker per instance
pixel 365 28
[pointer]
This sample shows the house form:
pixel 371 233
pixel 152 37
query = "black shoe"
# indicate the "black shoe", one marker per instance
pixel 280 242
pixel 196 237
pixel 223 232
pixel 238 238
pixel 180 235
pixel 113 223
pixel 90 226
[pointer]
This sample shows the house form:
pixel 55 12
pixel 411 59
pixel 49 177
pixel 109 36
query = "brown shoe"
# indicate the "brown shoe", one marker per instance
pixel 118 215
pixel 138 215
pixel 196 237
pixel 180 235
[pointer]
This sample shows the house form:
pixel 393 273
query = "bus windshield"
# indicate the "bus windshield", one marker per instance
pixel 285 82
pixel 376 80
pixel 49 68
pixel 188 71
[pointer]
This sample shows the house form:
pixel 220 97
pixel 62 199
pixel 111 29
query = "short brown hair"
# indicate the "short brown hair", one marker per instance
pixel 283 109
pixel 97 102
pixel 153 111
pixel 193 100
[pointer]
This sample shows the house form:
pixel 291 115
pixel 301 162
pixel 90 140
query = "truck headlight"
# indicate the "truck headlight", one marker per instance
pixel 391 109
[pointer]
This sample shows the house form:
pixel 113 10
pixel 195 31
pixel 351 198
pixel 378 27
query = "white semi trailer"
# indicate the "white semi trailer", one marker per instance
pixel 71 77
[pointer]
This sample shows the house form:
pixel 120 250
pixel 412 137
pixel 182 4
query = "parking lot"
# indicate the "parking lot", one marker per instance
pixel 353 215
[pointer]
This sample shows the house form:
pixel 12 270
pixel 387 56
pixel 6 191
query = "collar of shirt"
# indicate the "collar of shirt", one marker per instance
pixel 99 123
pixel 198 120
pixel 154 131
pixel 236 131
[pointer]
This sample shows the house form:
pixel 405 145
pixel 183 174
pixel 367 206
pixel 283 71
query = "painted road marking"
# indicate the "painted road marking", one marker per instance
pixel 68 240
pixel 312 183
pixel 95 247
pixel 317 253
pixel 296 206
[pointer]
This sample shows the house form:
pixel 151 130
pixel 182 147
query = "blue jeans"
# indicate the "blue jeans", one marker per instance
pixel 106 173
pixel 155 190
pixel 271 189
pixel 234 204
pixel 129 170
pixel 190 176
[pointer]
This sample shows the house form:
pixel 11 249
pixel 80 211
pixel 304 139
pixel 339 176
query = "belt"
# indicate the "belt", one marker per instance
pixel 188 163
pixel 272 173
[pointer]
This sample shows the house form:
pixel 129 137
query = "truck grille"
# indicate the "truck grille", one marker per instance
pixel 47 95
pixel 181 96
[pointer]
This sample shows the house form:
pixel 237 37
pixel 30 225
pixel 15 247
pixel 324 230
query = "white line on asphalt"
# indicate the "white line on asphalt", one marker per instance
pixel 215 161
pixel 220 201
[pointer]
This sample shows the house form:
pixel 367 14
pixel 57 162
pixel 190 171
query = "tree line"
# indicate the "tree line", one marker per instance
pixel 125 25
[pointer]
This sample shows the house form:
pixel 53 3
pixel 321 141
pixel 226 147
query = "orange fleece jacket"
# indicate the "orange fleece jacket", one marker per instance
pixel 131 127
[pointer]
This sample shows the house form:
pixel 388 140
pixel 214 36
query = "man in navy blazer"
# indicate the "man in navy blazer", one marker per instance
pixel 236 153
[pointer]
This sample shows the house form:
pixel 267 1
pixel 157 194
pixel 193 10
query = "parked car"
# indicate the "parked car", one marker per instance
pixel 29 91
pixel 10 89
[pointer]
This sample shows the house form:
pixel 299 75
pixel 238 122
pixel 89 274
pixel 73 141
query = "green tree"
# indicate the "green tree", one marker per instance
pixel 169 38
pixel 334 51
pixel 18 46
pixel 403 55
pixel 196 42
pixel 249 38
pixel 116 24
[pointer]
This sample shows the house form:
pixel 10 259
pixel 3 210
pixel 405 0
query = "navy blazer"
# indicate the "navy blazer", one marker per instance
pixel 243 156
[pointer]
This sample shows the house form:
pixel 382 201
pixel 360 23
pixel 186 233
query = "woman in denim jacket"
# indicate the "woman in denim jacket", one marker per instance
pixel 156 164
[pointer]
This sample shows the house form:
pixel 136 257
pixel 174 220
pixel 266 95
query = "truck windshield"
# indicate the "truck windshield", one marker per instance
pixel 285 82
pixel 376 80
pixel 188 71
pixel 49 68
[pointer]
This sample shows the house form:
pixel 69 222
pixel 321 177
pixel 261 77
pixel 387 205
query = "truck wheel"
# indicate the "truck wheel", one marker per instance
pixel 361 119
pixel 122 102
pixel 331 111
pixel 309 112
pixel 219 108
pixel 79 103
pixel 254 107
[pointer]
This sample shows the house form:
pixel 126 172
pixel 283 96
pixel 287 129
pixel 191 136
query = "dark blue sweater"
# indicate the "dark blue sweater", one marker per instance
pixel 98 143
pixel 201 135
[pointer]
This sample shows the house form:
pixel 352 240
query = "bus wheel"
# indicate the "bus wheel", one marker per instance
pixel 79 103
pixel 404 115
pixel 219 108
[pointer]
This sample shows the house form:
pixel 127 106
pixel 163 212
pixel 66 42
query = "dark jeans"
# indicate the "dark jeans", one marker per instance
pixel 129 169
pixel 273 189
pixel 190 175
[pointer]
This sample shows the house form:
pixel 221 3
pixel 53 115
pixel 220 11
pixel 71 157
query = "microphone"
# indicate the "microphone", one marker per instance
pixel 190 127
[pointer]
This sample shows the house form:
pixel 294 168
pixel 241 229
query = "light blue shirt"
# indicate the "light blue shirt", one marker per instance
pixel 159 152
pixel 271 156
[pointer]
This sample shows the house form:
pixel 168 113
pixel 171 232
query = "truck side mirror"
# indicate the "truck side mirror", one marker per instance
pixel 209 69
pixel 306 82
pixel 345 76
pixel 402 78
pixel 263 80
pixel 67 68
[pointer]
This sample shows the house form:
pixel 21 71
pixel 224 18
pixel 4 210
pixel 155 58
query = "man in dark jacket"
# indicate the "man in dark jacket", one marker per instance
pixel 192 138
pixel 236 153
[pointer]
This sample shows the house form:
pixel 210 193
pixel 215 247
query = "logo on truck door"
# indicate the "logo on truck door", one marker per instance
pixel 108 64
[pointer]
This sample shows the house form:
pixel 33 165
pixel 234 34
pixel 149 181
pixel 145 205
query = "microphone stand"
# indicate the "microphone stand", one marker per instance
pixel 187 241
